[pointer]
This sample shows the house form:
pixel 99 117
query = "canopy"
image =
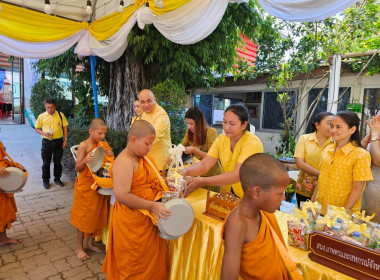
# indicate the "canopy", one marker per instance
pixel 32 34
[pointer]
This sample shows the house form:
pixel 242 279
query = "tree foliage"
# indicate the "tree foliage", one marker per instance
pixel 173 98
pixel 81 83
pixel 309 46
pixel 44 89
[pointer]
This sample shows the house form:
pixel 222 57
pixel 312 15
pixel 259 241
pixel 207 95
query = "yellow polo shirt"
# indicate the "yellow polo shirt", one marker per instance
pixel 161 123
pixel 309 149
pixel 339 171
pixel 45 121
pixel 247 145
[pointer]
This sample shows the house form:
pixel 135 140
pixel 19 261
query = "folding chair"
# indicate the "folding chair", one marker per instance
pixel 74 151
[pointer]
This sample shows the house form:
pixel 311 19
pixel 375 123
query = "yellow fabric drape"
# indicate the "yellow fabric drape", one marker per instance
pixel 31 26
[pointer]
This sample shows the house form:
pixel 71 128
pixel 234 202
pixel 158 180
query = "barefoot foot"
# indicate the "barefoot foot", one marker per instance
pixel 82 255
pixel 94 248
pixel 7 240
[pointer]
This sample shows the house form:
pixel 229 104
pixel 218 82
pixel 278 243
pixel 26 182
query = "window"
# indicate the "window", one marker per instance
pixel 272 113
pixel 204 103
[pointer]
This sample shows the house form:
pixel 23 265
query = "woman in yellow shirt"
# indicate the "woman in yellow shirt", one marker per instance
pixel 346 166
pixel 232 148
pixel 199 138
pixel 308 155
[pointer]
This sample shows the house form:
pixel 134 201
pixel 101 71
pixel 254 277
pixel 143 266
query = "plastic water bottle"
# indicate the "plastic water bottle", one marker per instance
pixel 293 201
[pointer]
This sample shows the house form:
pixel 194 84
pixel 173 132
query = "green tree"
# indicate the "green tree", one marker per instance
pixel 150 58
pixel 310 45
pixel 81 82
pixel 48 88
pixel 173 98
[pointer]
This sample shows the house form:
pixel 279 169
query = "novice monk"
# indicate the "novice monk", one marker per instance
pixel 135 250
pixel 90 209
pixel 8 207
pixel 251 249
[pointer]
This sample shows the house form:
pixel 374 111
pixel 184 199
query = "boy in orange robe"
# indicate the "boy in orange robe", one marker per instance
pixel 251 249
pixel 135 250
pixel 8 207
pixel 90 209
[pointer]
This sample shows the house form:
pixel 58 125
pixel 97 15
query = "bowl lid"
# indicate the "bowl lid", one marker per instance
pixel 180 220
pixel 105 191
pixel 98 159
pixel 14 181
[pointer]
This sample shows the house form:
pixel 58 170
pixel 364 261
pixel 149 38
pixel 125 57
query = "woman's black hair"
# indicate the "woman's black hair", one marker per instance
pixel 377 111
pixel 241 111
pixel 318 119
pixel 352 120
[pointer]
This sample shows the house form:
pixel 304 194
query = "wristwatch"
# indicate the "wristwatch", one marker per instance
pixel 374 139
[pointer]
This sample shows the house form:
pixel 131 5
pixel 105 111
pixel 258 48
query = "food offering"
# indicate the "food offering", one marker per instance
pixel 100 167
pixel 173 177
pixel 349 243
pixel 219 205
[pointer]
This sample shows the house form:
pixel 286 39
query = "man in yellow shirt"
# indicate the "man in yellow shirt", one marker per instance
pixel 156 115
pixel 52 126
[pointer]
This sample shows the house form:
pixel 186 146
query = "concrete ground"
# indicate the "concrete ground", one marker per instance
pixel 43 221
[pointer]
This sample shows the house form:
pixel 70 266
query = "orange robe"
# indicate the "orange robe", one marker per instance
pixel 90 209
pixel 135 251
pixel 8 207
pixel 260 258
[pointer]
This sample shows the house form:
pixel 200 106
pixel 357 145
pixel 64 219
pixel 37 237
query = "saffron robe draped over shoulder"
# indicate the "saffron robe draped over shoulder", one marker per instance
pixel 8 207
pixel 260 258
pixel 89 212
pixel 135 250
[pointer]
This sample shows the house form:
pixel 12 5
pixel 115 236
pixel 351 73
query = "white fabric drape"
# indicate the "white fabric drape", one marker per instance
pixel 38 49
pixel 112 48
pixel 192 22
pixel 188 24
pixel 305 10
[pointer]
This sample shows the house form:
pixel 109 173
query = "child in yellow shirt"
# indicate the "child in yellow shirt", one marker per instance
pixel 346 166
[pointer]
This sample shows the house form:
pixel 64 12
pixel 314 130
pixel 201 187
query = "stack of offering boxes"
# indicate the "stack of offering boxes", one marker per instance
pixel 355 229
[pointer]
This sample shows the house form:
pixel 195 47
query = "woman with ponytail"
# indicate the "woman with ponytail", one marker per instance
pixel 346 166
pixel 308 155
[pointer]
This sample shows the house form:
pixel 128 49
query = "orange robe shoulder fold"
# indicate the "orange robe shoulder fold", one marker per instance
pixel 135 250
pixel 8 207
pixel 89 212
pixel 260 258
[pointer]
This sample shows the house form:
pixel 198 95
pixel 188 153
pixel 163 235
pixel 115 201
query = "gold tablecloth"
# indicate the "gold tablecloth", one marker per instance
pixel 199 253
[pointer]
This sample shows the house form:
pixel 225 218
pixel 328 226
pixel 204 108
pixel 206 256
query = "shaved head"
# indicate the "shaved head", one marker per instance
pixel 141 129
pixel 261 170
pixel 147 100
pixel 96 123
pixel 146 92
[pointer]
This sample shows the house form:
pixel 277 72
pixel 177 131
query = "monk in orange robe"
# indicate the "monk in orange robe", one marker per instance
pixel 135 250
pixel 90 209
pixel 251 250
pixel 8 207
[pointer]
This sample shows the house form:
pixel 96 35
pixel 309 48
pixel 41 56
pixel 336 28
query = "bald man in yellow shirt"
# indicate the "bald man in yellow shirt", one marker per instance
pixel 156 115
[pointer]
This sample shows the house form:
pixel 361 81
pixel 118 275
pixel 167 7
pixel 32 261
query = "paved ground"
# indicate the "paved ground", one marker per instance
pixel 47 250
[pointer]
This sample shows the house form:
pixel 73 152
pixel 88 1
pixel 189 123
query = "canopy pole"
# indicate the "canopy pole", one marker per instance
pixel 333 94
pixel 94 86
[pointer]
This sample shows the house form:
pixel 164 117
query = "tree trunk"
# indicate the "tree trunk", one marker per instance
pixel 126 80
